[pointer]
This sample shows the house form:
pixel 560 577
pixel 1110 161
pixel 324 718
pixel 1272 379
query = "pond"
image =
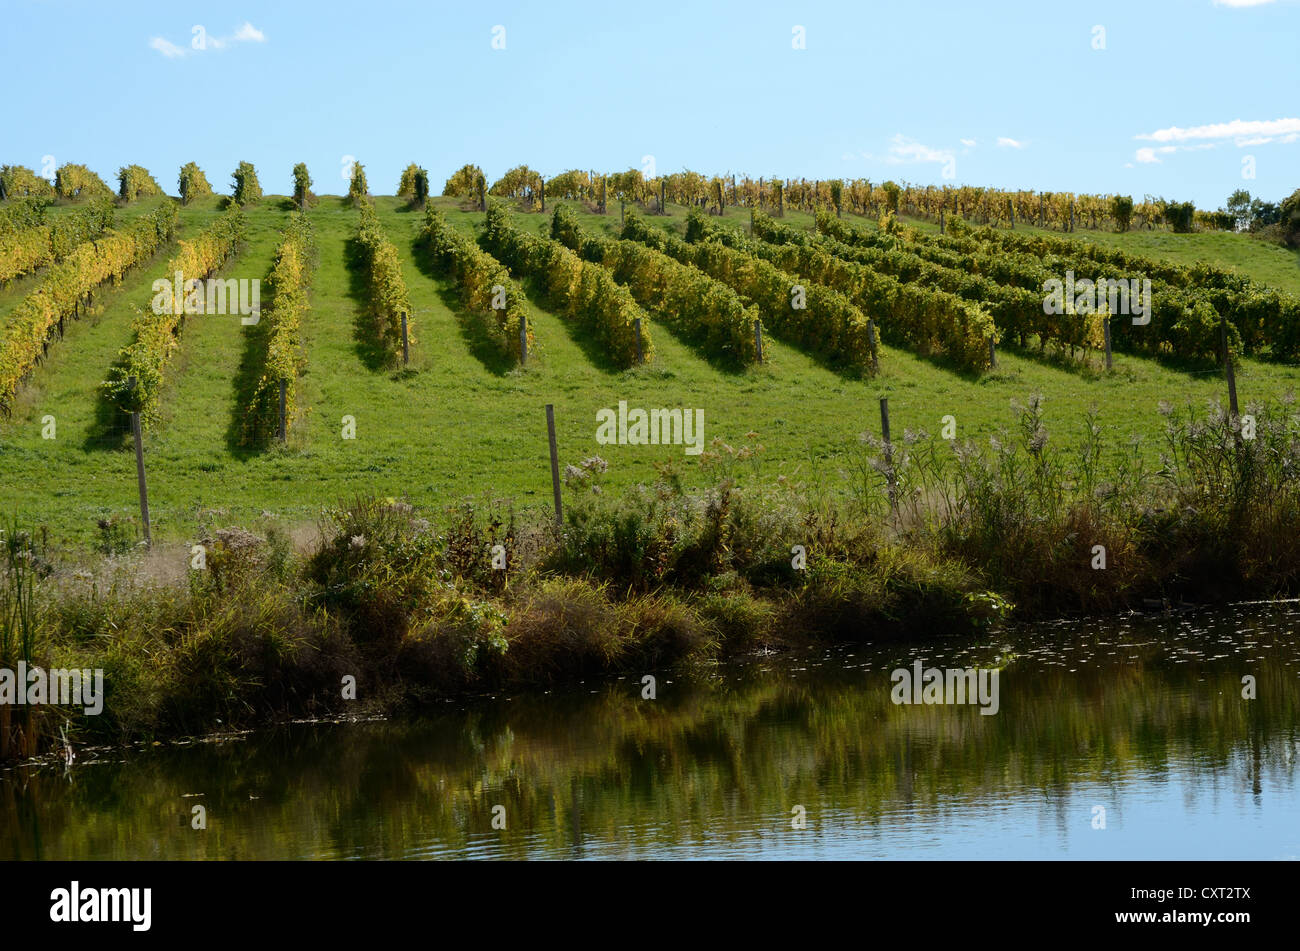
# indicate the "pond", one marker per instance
pixel 1125 738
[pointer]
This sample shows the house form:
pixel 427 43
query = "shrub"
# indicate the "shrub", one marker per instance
pixel 358 190
pixel 247 189
pixel 75 182
pixel 18 181
pixel 464 182
pixel 135 182
pixel 193 183
pixel 414 185
pixel 302 194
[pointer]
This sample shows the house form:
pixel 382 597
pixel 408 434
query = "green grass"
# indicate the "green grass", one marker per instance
pixel 458 423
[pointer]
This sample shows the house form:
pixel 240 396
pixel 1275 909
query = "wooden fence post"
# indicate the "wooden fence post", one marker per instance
pixel 889 454
pixel 1227 365
pixel 758 339
pixel 555 464
pixel 284 403
pixel 406 343
pixel 139 466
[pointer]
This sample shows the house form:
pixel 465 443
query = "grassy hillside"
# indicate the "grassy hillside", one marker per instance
pixel 458 423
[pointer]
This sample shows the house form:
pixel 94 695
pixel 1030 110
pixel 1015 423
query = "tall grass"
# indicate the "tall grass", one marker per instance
pixel 21 565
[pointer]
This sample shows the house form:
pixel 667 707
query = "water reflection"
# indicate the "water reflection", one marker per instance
pixel 1143 718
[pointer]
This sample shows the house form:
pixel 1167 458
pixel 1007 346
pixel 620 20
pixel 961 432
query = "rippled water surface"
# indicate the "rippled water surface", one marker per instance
pixel 1140 722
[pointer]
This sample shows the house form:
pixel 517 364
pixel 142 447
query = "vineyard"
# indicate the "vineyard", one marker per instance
pixel 407 346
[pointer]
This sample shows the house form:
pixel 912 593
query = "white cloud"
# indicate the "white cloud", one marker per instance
pixel 909 150
pixel 249 34
pixel 170 50
pixel 245 34
pixel 1147 156
pixel 1241 3
pixel 1005 143
pixel 1237 128
pixel 969 143
pixel 903 150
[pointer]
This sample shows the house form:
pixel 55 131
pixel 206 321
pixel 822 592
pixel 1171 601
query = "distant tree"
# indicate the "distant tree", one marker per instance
pixel 1121 209
pixel 892 193
pixel 1264 213
pixel 1239 207
pixel 1289 218
pixel 1180 216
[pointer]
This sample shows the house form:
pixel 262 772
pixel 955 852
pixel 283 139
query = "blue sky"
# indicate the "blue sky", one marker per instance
pixel 1009 94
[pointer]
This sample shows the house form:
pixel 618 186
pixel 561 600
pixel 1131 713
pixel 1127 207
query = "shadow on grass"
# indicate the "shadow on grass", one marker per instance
pixel 1091 364
pixel 721 362
pixel 111 428
pixel 472 329
pixel 591 348
pixel 1054 357
pixel 369 350
pixel 252 361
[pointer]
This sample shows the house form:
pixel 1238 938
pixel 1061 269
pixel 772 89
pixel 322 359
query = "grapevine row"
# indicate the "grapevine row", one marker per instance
pixel 67 284
pixel 482 281
pixel 912 306
pixel 155 331
pixel 813 316
pixel 22 252
pixel 385 284
pixel 580 290
pixel 1263 316
pixel 281 330
pixel 698 306
pixel 1182 323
